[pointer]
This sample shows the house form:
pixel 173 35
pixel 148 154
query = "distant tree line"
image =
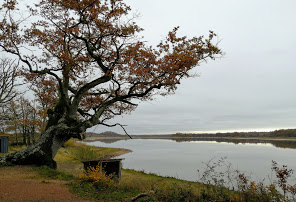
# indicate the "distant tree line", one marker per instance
pixel 276 133
pixel 103 134
pixel 284 133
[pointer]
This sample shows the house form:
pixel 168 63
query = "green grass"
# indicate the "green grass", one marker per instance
pixel 155 187
pixel 47 173
pixel 78 152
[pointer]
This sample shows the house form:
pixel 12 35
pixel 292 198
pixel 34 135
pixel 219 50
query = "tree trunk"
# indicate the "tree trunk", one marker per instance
pixel 24 138
pixel 33 134
pixel 40 153
pixel 16 138
pixel 28 137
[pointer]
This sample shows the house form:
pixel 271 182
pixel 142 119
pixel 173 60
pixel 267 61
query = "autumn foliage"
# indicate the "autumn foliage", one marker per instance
pixel 86 63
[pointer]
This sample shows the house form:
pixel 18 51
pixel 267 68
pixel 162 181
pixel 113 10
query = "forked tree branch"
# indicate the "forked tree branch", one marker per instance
pixel 117 124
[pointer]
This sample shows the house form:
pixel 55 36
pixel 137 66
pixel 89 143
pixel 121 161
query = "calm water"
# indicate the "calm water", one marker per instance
pixel 183 159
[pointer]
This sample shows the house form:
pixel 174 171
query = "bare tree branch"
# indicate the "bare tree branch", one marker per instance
pixel 118 124
pixel 8 75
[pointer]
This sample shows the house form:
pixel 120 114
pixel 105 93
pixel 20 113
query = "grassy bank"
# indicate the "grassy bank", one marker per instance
pixel 69 158
pixel 139 186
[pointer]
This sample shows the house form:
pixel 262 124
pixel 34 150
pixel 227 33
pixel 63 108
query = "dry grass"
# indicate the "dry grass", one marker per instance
pixel 17 172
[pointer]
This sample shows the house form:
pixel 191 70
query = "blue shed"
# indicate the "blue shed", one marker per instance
pixel 3 144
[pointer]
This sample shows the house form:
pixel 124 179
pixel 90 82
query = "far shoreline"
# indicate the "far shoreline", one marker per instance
pixel 93 139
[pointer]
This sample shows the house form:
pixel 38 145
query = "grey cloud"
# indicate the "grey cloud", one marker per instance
pixel 251 88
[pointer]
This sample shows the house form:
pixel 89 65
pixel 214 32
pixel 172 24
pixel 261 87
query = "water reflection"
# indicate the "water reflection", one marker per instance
pixel 281 143
pixel 182 159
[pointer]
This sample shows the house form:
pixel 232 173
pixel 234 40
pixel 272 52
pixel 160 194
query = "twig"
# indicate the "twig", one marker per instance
pixel 142 195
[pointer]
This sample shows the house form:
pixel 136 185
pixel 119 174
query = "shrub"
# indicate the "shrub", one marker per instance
pixel 246 189
pixel 98 178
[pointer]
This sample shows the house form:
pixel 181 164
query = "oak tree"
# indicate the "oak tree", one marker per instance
pixel 96 65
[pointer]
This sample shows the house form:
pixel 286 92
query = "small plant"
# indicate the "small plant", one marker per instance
pixel 282 175
pixel 251 191
pixel 219 173
pixel 98 178
pixel 246 189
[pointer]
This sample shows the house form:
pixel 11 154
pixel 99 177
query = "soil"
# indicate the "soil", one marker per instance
pixel 20 183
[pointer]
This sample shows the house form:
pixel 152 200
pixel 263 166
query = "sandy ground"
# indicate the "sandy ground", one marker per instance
pixel 18 184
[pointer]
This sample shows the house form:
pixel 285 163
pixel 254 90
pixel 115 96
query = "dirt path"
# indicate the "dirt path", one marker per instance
pixel 16 184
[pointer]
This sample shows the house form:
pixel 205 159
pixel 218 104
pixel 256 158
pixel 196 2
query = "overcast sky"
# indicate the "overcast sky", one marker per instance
pixel 253 87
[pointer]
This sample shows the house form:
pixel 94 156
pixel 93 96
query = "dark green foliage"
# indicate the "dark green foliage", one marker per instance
pixel 284 133
pixel 276 133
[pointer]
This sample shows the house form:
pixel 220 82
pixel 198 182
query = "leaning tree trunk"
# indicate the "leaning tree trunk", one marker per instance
pixel 42 152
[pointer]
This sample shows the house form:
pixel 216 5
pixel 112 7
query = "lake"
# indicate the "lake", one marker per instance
pixel 183 159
